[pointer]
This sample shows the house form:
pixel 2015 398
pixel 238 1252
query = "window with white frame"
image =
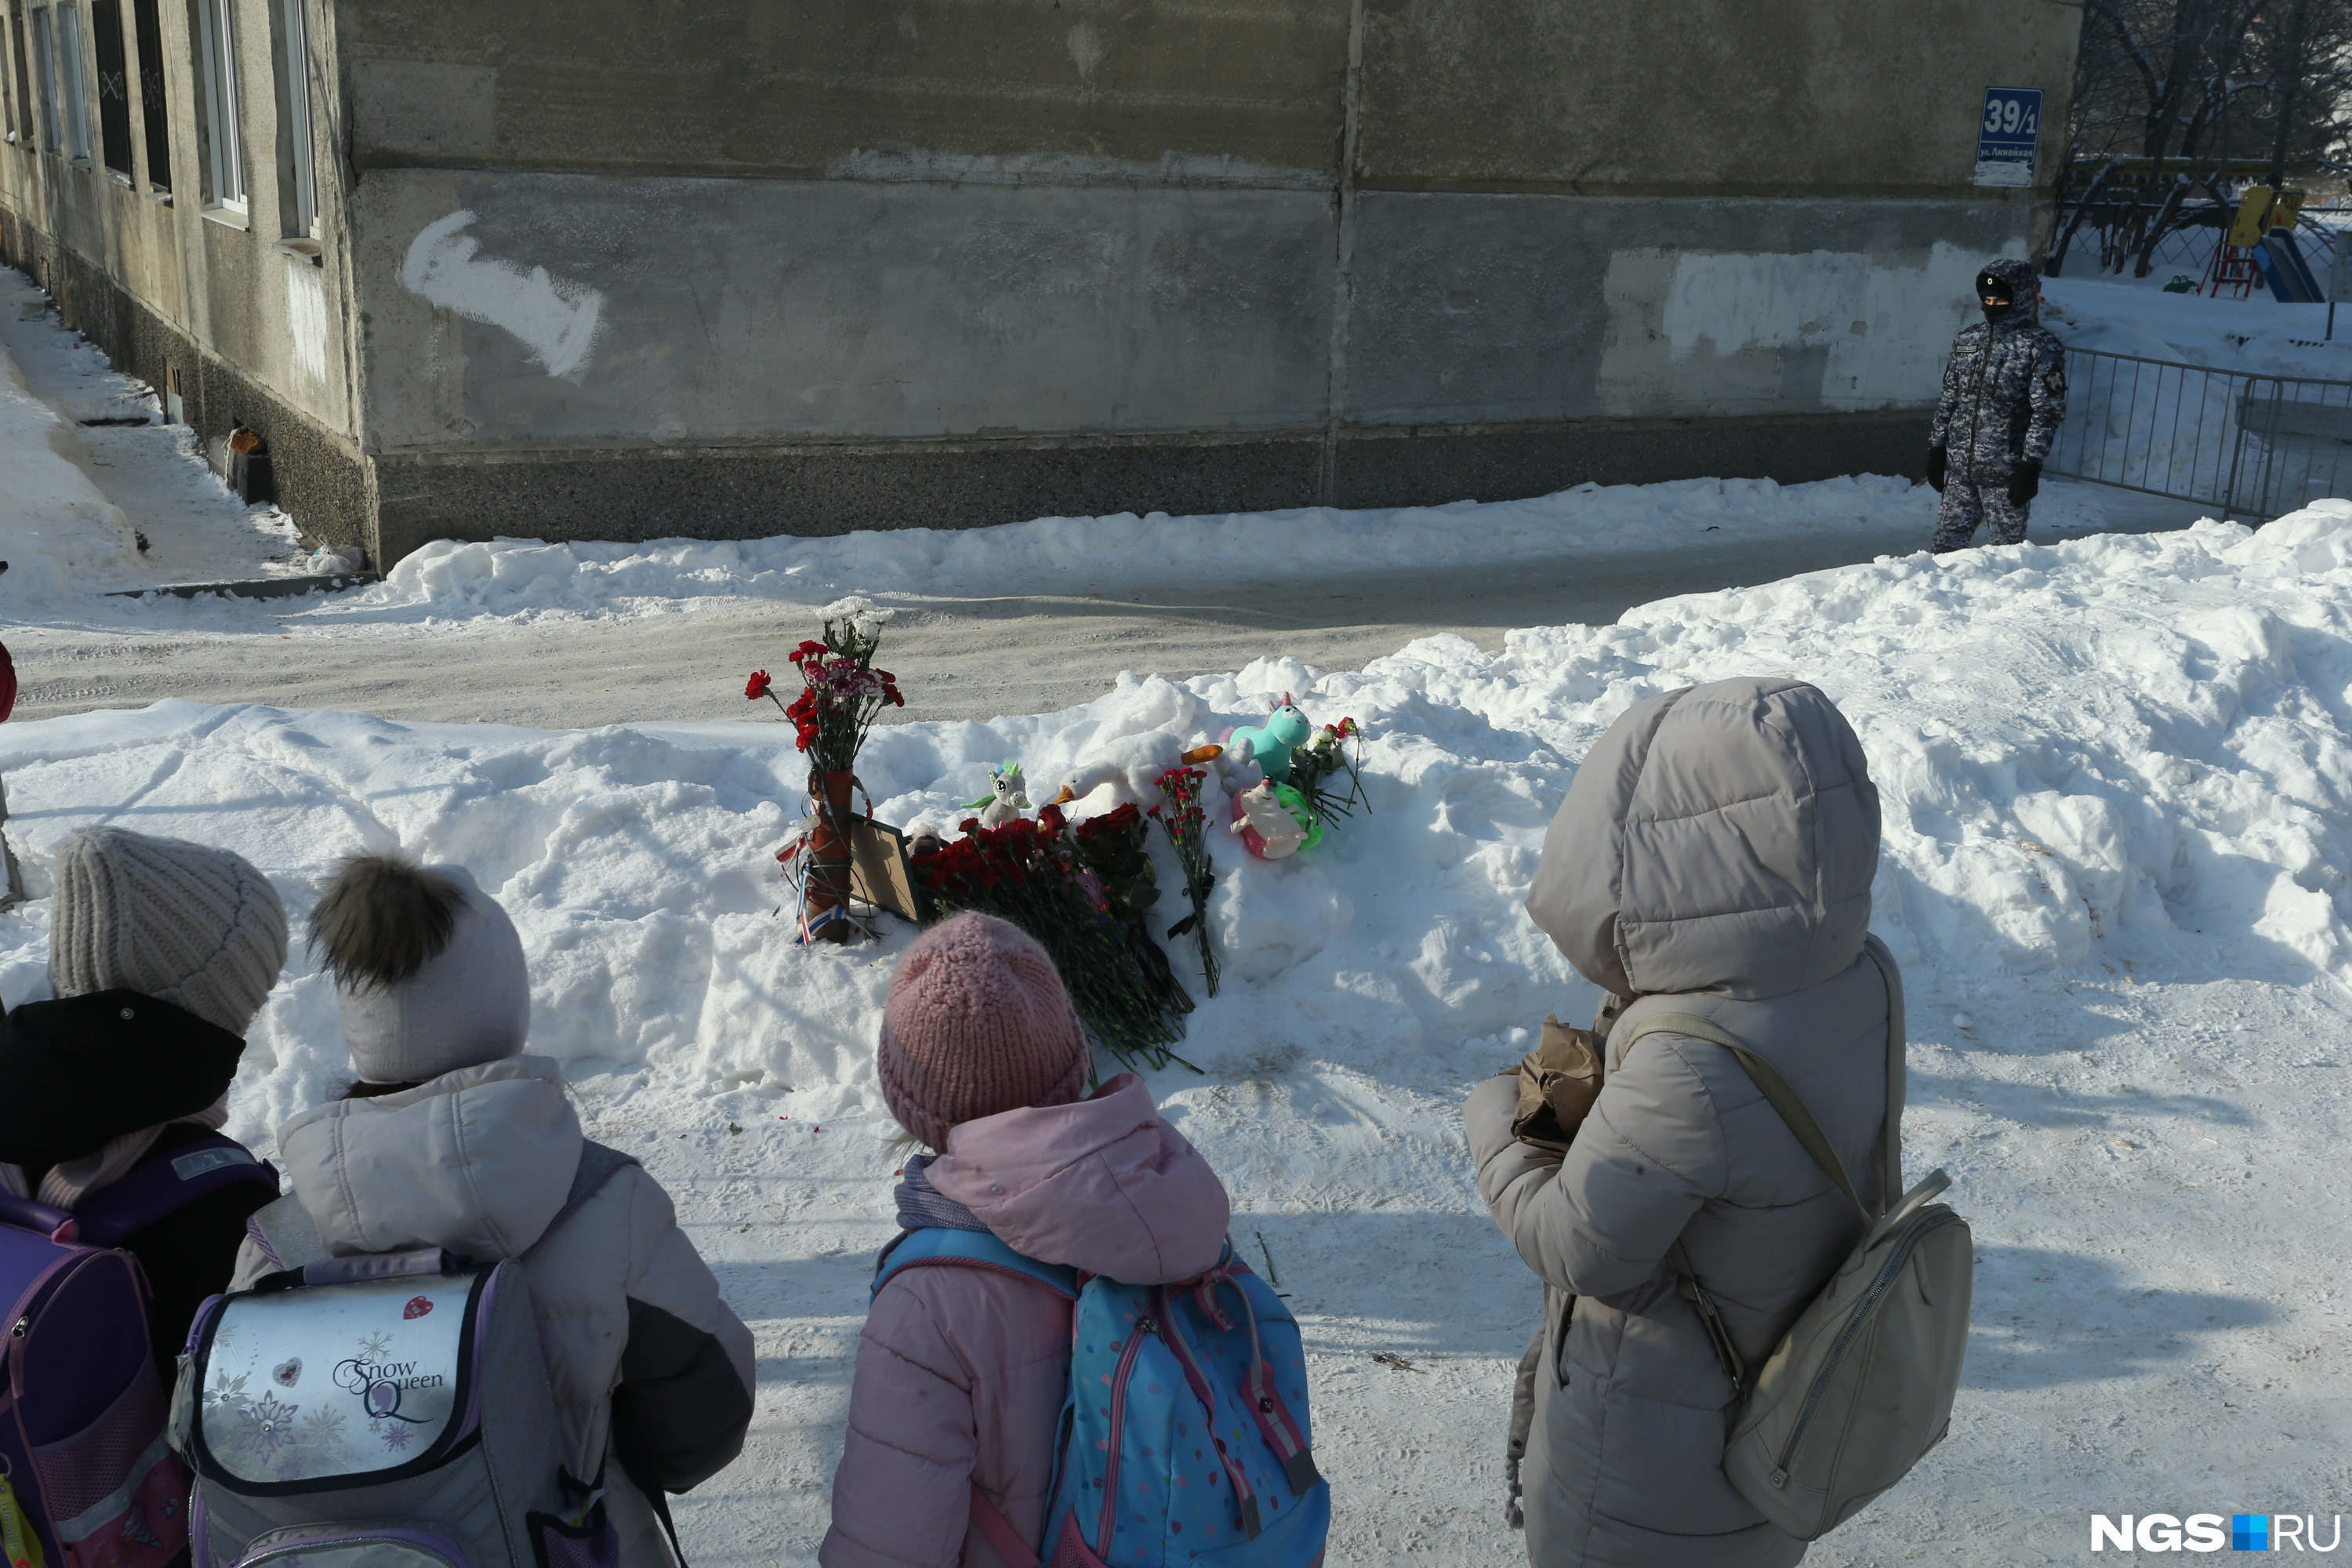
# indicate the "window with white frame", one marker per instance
pixel 216 70
pixel 299 182
pixel 73 98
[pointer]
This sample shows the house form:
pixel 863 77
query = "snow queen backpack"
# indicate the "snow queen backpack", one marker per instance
pixel 1178 1440
pixel 1861 1388
pixel 383 1412
pixel 86 1478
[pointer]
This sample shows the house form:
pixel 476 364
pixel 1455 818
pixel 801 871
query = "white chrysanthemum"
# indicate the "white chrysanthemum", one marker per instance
pixel 860 612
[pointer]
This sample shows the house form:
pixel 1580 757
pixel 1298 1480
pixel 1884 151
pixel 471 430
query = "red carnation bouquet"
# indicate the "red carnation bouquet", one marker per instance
pixel 841 696
pixel 1187 826
pixel 1081 891
pixel 841 691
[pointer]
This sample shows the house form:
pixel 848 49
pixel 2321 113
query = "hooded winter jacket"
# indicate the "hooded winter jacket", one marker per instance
pixel 480 1161
pixel 2004 388
pixel 1714 856
pixel 960 1372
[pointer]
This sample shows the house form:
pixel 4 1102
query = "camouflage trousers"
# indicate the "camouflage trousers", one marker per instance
pixel 1964 507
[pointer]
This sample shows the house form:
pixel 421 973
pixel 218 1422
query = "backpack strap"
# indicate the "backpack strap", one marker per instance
pixel 1775 1089
pixel 163 1184
pixel 598 1165
pixel 1898 1072
pixel 286 1233
pixel 998 1531
pixel 28 1214
pixel 942 1246
pixel 937 1245
pixel 1800 1121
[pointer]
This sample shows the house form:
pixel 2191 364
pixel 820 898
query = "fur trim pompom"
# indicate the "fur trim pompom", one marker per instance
pixel 383 918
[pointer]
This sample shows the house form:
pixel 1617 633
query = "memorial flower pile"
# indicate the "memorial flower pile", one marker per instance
pixel 1080 891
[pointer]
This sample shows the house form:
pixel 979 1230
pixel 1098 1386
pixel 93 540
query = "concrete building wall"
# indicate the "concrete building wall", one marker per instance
pixel 823 266
pixel 252 320
pixel 1697 98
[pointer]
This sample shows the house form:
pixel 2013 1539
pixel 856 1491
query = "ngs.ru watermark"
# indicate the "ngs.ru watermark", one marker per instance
pixel 2214 1533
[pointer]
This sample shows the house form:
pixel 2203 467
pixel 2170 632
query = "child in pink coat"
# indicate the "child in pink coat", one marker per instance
pixel 961 1371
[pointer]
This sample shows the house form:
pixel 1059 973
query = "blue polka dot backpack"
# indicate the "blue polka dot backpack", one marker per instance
pixel 1184 1437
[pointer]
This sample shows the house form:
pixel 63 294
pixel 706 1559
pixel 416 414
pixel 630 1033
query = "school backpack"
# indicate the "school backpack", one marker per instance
pixel 1862 1386
pixel 1184 1435
pixel 85 1477
pixel 391 1411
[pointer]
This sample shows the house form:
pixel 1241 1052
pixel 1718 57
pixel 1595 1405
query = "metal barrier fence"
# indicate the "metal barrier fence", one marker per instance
pixel 2254 446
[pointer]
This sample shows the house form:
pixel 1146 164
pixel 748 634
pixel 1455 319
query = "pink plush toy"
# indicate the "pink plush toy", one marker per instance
pixel 1273 821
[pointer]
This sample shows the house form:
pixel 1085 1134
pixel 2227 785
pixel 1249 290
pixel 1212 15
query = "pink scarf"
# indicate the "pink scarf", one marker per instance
pixel 67 1184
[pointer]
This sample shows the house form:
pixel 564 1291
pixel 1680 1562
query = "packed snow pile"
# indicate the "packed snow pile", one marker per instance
pixel 2118 788
pixel 1065 554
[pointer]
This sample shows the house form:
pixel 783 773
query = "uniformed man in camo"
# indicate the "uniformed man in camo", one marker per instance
pixel 2004 397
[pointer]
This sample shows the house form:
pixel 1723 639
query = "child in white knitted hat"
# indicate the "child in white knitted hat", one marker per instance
pixel 161 953
pixel 452 1138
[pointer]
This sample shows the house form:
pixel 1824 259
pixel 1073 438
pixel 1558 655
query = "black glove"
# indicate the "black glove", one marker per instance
pixel 1935 467
pixel 2024 483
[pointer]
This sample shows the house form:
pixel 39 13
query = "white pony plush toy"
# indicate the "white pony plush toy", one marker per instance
pixel 1010 797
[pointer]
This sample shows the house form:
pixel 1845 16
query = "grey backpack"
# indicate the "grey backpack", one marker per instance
pixel 1862 1386
pixel 382 1411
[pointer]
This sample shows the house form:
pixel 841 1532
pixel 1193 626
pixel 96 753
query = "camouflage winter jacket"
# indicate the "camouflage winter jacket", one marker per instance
pixel 2004 388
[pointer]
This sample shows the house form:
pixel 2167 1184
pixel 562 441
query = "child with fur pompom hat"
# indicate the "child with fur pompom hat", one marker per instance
pixel 961 1372
pixel 454 1138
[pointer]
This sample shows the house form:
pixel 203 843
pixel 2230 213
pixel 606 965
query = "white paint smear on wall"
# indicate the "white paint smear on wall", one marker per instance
pixel 1887 327
pixel 556 318
pixel 306 322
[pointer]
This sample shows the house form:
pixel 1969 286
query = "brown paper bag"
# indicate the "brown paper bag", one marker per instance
pixel 1558 1081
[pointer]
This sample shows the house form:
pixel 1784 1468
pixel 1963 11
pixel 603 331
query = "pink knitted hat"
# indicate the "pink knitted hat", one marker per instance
pixel 977 1023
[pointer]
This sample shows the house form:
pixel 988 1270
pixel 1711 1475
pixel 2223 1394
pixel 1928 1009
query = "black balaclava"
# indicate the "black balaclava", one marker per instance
pixel 2000 291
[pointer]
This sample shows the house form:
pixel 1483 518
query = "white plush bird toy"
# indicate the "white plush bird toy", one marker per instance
pixel 1127 771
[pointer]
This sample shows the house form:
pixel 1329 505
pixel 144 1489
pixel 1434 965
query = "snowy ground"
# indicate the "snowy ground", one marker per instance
pixel 104 485
pixel 2116 775
pixel 2123 316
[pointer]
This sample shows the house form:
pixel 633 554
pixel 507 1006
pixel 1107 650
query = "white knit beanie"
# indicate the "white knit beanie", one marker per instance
pixel 429 971
pixel 197 927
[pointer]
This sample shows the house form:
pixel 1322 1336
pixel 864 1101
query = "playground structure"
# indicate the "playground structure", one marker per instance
pixel 2137 213
pixel 2260 244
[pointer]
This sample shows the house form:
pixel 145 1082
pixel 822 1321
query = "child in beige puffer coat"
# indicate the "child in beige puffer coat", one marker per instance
pixel 453 1139
pixel 1714 856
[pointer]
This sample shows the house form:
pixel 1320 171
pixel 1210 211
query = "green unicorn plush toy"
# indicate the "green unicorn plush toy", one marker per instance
pixel 1285 729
